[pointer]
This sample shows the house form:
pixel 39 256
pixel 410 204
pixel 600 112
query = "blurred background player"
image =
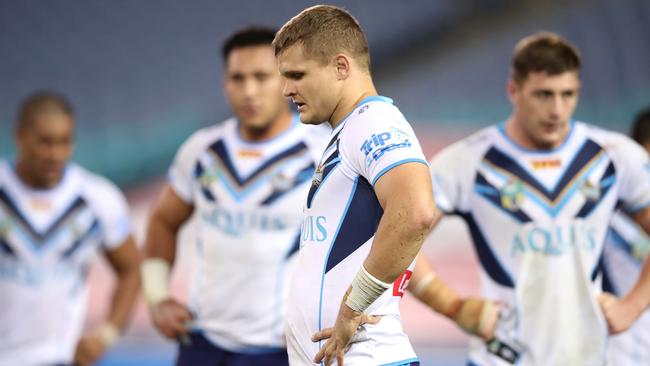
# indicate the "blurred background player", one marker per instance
pixel 537 193
pixel 626 246
pixel 370 204
pixel 246 179
pixel 54 217
pixel 475 316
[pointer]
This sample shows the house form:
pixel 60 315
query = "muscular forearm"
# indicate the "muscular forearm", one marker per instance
pixel 440 298
pixel 160 240
pixel 640 293
pixel 124 296
pixel 399 238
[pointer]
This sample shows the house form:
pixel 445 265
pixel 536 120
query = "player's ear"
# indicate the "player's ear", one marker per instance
pixel 342 64
pixel 513 89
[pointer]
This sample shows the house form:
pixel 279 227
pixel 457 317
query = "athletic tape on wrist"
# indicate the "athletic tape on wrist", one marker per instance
pixel 108 333
pixel 365 290
pixel 485 321
pixel 155 280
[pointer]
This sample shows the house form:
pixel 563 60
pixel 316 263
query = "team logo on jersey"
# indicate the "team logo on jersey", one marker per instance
pixel 5 226
pixel 317 178
pixel 209 176
pixel 363 109
pixel 512 195
pixel 590 190
pixel 281 182
pixel 77 229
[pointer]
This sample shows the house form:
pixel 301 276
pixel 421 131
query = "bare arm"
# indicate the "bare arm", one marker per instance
pixel 622 313
pixel 125 261
pixel 169 316
pixel 431 290
pixel 405 194
pixel 474 315
pixel 169 214
pixel 640 293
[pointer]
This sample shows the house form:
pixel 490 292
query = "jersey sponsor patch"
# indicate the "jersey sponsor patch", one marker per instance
pixel 546 163
pixel 378 144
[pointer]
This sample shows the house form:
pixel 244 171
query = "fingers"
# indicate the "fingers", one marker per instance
pixel 329 352
pixel 323 334
pixel 88 351
pixel 370 319
pixel 608 305
pixel 320 355
pixel 606 300
pixel 339 357
pixel 172 318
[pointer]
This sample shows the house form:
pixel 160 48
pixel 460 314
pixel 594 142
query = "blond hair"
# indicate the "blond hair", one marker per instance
pixel 323 31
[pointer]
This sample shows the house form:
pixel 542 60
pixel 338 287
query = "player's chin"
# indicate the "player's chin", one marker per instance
pixel 308 119
pixel 553 139
pixel 254 123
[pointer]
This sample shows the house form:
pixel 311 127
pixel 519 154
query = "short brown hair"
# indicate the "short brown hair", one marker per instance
pixel 323 31
pixel 544 52
pixel 42 102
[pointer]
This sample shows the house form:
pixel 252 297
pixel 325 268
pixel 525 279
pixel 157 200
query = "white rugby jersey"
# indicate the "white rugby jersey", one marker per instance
pixel 538 220
pixel 625 245
pixel 47 241
pixel 341 216
pixel 248 198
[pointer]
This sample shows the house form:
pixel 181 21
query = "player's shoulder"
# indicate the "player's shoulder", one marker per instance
pixel 95 188
pixel 206 135
pixel 202 138
pixel 614 142
pixel 377 112
pixel 468 149
pixel 376 119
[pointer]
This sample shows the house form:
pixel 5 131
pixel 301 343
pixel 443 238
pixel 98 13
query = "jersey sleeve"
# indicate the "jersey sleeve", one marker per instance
pixel 633 167
pixel 446 180
pixel 370 147
pixel 180 175
pixel 113 211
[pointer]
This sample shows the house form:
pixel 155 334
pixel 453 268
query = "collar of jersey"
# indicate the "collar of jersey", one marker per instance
pixel 366 100
pixel 502 129
pixel 13 175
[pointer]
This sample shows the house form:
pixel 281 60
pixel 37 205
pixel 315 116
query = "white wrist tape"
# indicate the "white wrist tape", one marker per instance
pixel 108 333
pixel 423 284
pixel 489 313
pixel 155 280
pixel 365 290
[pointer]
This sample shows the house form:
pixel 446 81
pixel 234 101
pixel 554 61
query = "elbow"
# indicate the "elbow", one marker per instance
pixel 425 217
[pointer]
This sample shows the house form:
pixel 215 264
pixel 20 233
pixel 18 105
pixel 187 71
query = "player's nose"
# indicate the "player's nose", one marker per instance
pixel 288 89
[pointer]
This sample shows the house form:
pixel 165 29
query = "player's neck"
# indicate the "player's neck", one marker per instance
pixel 280 124
pixel 351 98
pixel 30 180
pixel 519 136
